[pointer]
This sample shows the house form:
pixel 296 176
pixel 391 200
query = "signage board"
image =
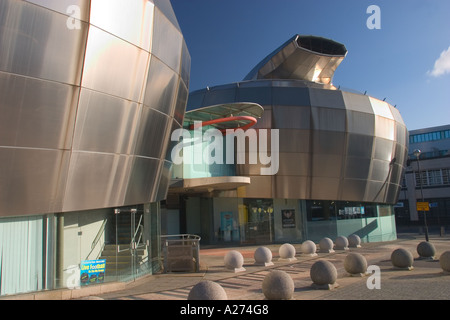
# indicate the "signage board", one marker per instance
pixel 423 206
pixel 92 271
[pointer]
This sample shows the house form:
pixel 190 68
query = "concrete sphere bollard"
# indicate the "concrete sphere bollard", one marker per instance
pixel 234 260
pixel 444 261
pixel 309 248
pixel 207 290
pixel 326 245
pixel 426 249
pixel 355 264
pixel 287 252
pixel 278 285
pixel 323 274
pixel 354 241
pixel 402 258
pixel 263 256
pixel 341 243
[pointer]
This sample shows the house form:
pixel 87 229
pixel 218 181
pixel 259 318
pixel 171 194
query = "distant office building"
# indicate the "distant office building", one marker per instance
pixel 427 178
pixel 341 156
pixel 90 93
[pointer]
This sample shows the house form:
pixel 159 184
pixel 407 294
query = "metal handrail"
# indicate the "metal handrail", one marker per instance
pixel 97 238
pixel 184 236
pixel 187 240
pixel 140 228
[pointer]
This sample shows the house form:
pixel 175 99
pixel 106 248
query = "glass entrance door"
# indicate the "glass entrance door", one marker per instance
pixel 259 228
pixel 131 246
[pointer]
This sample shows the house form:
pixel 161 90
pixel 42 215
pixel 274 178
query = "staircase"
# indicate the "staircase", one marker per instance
pixel 120 263
pixel 119 259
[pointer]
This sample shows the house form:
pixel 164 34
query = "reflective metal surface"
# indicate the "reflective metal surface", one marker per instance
pixel 90 93
pixel 334 145
pixel 302 57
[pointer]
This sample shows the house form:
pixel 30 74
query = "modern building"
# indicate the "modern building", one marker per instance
pixel 341 155
pixel 90 93
pixel 427 179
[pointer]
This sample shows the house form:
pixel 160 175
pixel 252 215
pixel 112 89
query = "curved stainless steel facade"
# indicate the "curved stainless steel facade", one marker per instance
pixel 334 145
pixel 90 92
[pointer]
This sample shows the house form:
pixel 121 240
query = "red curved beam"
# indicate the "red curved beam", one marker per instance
pixel 252 120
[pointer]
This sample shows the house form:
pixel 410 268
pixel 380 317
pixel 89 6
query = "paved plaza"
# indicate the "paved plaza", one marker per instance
pixel 426 281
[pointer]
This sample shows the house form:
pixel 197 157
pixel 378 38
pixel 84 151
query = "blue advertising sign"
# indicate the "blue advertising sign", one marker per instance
pixel 92 271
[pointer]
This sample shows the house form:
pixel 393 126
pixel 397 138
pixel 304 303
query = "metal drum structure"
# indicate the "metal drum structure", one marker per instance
pixel 90 93
pixel 335 145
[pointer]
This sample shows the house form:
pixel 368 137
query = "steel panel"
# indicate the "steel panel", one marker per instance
pixel 258 95
pixel 195 100
pixel 357 102
pixel 185 64
pixel 155 125
pixel 396 114
pixel 294 164
pixel 290 96
pixel 396 173
pixel 36 42
pixel 328 142
pixel 291 187
pixel 376 191
pixel 328 119
pixel 105 123
pixel 380 170
pixel 360 122
pixel 260 187
pixel 31 180
pixel 357 168
pixel 167 41
pixel 180 103
pixel 392 193
pixel 402 136
pixel 326 98
pixel 161 87
pixel 113 16
pixel 166 8
pixel 64 7
pixel 328 165
pixel 381 108
pixel 295 140
pixel 353 189
pixel 96 180
pixel 114 66
pixel 214 97
pixel 36 113
pixel 166 175
pixel 359 145
pixel 265 122
pixel 293 117
pixel 383 149
pixel 324 188
pixel 384 128
pixel 139 189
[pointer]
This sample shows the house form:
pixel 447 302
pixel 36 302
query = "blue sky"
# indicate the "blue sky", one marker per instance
pixel 407 61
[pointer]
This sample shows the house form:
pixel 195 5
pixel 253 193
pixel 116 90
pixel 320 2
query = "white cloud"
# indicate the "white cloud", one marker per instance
pixel 442 65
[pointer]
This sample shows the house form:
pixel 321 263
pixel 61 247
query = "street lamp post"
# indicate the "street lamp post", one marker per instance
pixel 417 153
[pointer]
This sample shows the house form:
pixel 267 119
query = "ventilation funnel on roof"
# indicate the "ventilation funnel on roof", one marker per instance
pixel 304 58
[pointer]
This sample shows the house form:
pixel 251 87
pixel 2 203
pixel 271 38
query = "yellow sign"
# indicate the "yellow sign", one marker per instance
pixel 423 206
